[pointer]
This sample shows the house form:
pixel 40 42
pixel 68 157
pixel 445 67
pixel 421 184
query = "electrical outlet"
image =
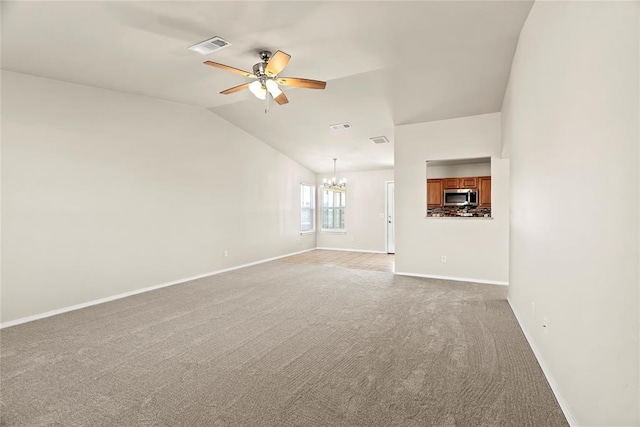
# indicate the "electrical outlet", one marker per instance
pixel 226 253
pixel 545 325
pixel 443 258
pixel 353 238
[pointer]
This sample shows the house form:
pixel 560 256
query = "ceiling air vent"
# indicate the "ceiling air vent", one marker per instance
pixel 340 126
pixel 379 139
pixel 208 46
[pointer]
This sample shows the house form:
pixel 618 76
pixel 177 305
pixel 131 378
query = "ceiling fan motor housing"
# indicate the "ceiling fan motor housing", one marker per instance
pixel 258 69
pixel 265 55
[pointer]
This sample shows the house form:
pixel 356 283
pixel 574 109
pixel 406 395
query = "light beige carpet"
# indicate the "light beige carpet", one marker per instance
pixel 356 260
pixel 280 344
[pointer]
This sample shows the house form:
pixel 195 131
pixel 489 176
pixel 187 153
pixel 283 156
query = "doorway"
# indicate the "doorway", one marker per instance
pixel 390 215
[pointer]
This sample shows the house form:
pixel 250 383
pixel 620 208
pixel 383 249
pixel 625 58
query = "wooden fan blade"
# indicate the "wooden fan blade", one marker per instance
pixel 277 63
pixel 235 89
pixel 232 69
pixel 282 99
pixel 305 83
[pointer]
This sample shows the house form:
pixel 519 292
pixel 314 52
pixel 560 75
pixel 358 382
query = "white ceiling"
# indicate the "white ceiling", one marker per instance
pixel 385 63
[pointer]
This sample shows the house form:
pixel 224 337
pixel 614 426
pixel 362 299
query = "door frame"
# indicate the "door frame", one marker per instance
pixel 386 216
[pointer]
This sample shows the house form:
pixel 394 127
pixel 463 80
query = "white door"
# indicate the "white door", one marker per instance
pixel 391 233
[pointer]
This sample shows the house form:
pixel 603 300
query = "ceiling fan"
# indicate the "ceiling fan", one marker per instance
pixel 267 81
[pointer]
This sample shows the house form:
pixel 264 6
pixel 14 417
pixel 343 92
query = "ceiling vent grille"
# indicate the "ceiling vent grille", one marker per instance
pixel 340 126
pixel 379 139
pixel 208 46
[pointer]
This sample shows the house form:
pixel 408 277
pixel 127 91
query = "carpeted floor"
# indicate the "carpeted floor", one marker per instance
pixel 280 344
pixel 334 258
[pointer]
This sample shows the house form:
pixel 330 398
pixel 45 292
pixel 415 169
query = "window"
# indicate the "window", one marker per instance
pixel 307 208
pixel 333 205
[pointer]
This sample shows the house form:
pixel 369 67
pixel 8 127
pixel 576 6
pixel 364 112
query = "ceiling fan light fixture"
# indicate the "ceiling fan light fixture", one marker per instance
pixel 266 73
pixel 258 89
pixel 273 88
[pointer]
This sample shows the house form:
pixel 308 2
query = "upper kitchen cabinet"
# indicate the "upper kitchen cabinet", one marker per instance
pixel 434 193
pixel 468 182
pixel 465 182
pixel 484 191
pixel 450 183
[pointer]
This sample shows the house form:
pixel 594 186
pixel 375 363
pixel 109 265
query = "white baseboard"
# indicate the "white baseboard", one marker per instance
pixel 552 383
pixel 352 250
pixel 137 291
pixel 457 279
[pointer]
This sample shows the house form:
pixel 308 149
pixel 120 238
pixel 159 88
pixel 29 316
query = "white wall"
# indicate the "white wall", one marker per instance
pixel 461 170
pixel 105 193
pixel 365 201
pixel 570 119
pixel 476 249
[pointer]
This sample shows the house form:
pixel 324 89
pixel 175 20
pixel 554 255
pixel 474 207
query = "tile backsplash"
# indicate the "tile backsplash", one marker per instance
pixel 459 211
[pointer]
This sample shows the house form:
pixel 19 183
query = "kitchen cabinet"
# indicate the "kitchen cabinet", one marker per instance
pixel 435 193
pixel 468 182
pixel 484 191
pixel 465 182
pixel 451 183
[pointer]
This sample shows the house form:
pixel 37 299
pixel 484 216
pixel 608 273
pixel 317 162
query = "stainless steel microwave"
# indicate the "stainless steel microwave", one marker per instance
pixel 461 197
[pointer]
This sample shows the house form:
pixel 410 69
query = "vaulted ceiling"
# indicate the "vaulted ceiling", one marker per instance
pixel 385 63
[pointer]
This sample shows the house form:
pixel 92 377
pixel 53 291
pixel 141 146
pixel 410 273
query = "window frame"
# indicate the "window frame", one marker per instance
pixel 342 230
pixel 312 208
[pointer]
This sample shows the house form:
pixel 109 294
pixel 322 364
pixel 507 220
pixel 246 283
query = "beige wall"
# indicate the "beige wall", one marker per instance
pixel 365 201
pixel 476 249
pixel 105 193
pixel 570 119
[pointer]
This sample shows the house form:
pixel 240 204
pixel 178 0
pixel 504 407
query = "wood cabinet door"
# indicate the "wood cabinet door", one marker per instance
pixel 451 183
pixel 484 190
pixel 469 182
pixel 434 193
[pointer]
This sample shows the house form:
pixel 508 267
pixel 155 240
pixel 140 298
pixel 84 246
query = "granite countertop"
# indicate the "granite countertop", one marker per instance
pixel 457 217
pixel 459 212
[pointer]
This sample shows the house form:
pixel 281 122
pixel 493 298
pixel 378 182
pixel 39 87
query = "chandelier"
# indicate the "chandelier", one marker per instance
pixel 333 183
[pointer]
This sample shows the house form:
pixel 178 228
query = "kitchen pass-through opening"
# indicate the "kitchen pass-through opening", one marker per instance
pixel 458 188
